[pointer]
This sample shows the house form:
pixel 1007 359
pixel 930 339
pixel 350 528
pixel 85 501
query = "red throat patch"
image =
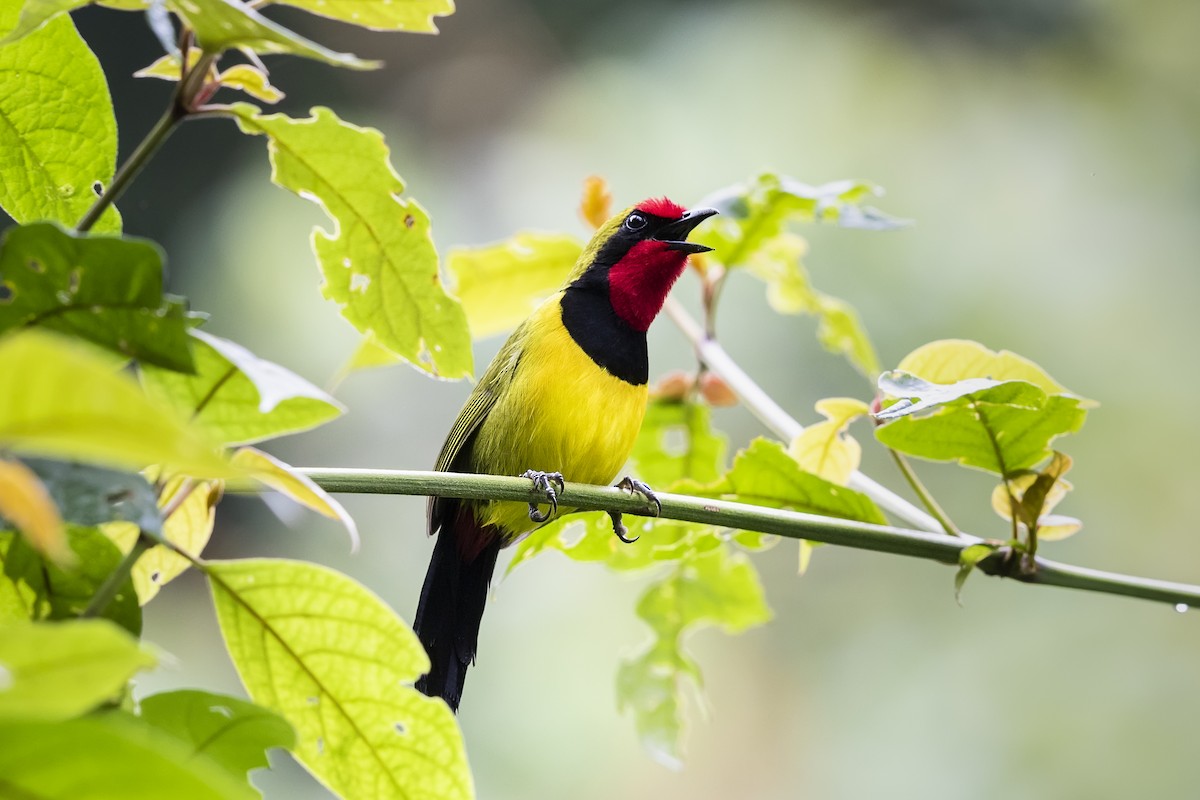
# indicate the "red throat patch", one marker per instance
pixel 662 207
pixel 638 284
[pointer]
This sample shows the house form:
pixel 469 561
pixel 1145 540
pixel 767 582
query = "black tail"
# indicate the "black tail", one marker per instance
pixel 450 609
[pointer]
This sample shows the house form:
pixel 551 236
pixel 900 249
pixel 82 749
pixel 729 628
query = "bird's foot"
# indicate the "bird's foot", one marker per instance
pixel 634 486
pixel 544 482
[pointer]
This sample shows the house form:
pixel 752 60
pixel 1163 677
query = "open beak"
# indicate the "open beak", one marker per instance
pixel 674 235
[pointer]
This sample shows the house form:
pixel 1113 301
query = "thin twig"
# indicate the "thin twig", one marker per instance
pixel 116 579
pixel 927 499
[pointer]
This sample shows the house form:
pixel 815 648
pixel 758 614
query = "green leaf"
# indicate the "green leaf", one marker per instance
pixel 33 589
pixel 101 758
pixel 764 474
pixel 71 404
pixel 1002 428
pixel 232 732
pixel 88 495
pixel 35 13
pixel 500 285
pixel 381 15
pixel 50 163
pixel 337 663
pixel 58 670
pixel 1036 494
pixel 718 588
pixel 379 262
pixel 101 288
pixel 235 397
pixel 754 213
pixel 227 24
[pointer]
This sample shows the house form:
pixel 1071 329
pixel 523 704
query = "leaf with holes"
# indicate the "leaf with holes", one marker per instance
pixel 227 730
pixel 101 288
pixel 58 670
pixel 34 589
pixel 237 397
pixel 500 285
pixel 380 15
pixel 227 24
pixel 379 262
pixel 73 405
pixel 50 164
pixel 338 664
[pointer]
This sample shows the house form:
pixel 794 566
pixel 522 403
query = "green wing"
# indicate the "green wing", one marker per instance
pixel 489 389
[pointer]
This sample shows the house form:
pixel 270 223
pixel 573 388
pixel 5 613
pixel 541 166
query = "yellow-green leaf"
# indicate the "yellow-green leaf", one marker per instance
pixel 379 262
pixel 415 16
pixel 338 664
pixel 68 402
pixel 825 449
pixel 193 506
pixel 25 503
pixel 499 285
pixel 51 163
pixel 105 757
pixel 953 360
pixel 284 479
pixel 58 670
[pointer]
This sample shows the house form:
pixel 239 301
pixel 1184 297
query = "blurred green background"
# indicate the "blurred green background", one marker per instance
pixel 1050 154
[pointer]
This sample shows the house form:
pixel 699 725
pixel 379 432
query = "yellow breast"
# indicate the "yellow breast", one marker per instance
pixel 561 413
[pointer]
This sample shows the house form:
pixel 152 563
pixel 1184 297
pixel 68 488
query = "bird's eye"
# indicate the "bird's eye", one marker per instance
pixel 635 222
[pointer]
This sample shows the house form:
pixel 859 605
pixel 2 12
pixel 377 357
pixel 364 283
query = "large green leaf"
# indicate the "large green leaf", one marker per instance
pixel 102 288
pixel 237 397
pixel 953 360
pixel 69 403
pixel 57 670
pixel 381 15
pixel 50 163
pixel 233 733
pixel 718 588
pixel 764 474
pixel 379 262
pixel 500 284
pixel 677 441
pixel 34 589
pixel 998 427
pixel 338 664
pixel 102 758
pixel 226 24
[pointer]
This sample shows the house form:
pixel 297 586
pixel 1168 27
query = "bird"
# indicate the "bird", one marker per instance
pixel 563 400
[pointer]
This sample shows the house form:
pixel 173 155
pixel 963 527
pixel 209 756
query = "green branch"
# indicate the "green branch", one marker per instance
pixel 741 516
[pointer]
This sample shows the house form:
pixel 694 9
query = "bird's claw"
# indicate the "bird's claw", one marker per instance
pixel 544 483
pixel 636 487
